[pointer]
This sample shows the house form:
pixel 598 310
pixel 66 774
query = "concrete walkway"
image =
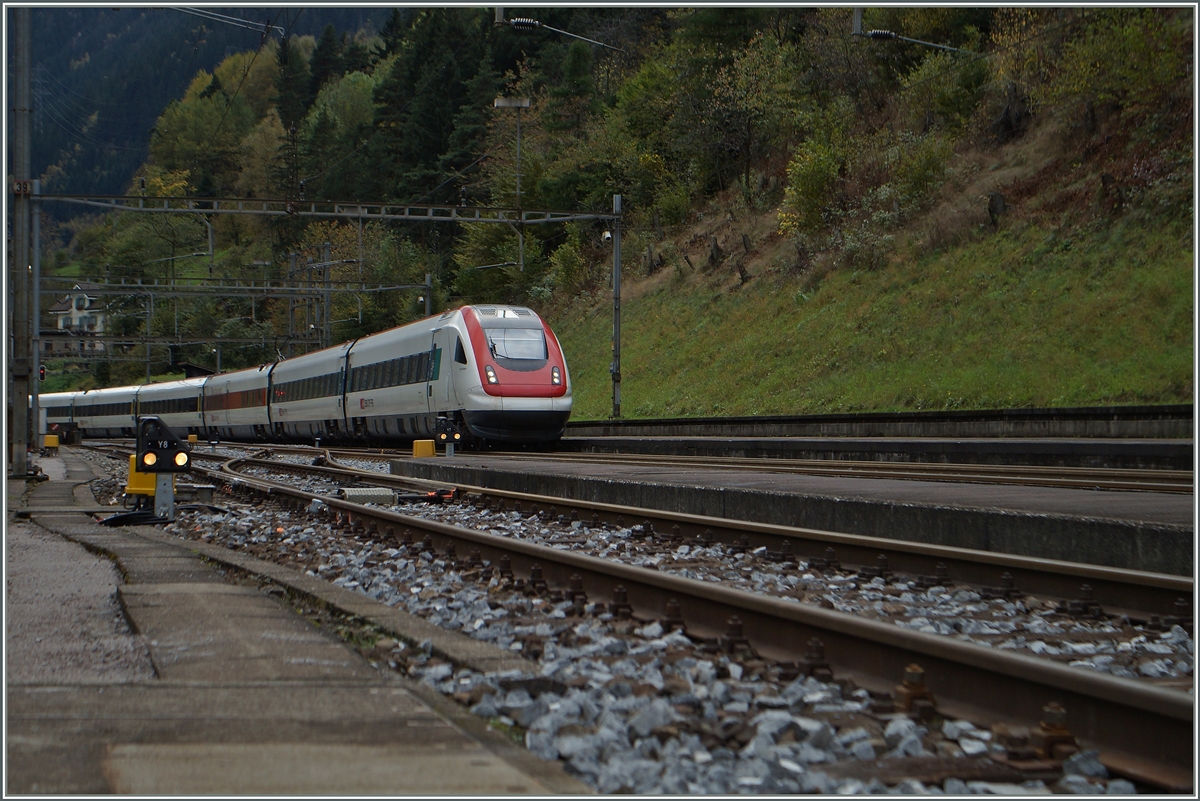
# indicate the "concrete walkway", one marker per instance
pixel 245 697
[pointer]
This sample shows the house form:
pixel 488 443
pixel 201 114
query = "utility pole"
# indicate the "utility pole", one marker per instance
pixel 36 315
pixel 327 321
pixel 149 315
pixel 291 306
pixel 518 103
pixel 616 344
pixel 20 367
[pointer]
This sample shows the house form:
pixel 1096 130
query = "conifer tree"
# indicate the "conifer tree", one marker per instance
pixel 573 99
pixel 392 34
pixel 326 61
pixel 469 136
pixel 293 85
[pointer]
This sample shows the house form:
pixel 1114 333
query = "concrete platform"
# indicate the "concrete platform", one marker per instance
pixel 1139 530
pixel 1158 421
pixel 1130 454
pixel 248 697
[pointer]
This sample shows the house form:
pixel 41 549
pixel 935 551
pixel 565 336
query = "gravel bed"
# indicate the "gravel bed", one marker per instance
pixel 370 465
pixel 631 707
pixel 626 705
pixel 1029 625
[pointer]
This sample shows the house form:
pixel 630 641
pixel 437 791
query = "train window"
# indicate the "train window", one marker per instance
pixel 460 353
pixel 517 343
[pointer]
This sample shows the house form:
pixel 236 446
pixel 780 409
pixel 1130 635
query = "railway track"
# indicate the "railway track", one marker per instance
pixel 1134 594
pixel 1144 731
pixel 1181 481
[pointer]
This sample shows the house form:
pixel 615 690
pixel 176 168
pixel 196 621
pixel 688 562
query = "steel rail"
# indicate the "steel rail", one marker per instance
pixel 1133 593
pixel 1072 477
pixel 1143 731
pixel 1120 592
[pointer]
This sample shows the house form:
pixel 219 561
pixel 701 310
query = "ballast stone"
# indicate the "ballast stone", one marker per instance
pixel 1085 763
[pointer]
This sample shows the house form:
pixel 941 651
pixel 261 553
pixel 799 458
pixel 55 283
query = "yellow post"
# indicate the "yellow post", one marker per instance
pixel 138 483
pixel 193 439
pixel 423 448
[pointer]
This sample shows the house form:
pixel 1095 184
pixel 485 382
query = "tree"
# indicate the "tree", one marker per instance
pixel 392 34
pixel 201 134
pixel 574 98
pixel 293 85
pixel 418 99
pixel 470 125
pixel 326 63
pixel 356 56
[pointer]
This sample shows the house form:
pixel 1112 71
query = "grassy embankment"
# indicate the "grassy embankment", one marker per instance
pixel 1026 316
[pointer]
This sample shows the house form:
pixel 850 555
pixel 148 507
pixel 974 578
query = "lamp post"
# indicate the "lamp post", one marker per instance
pixel 518 103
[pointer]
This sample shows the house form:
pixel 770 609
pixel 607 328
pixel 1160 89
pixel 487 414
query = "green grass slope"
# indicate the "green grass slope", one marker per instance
pixel 1029 315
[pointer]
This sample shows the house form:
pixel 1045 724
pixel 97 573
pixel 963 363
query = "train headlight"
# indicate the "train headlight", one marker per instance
pixel 491 375
pixel 555 376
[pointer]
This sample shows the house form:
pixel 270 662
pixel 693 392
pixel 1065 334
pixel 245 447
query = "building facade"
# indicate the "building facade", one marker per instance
pixel 79 323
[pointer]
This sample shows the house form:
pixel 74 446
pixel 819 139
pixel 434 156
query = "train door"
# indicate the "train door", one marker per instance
pixel 223 416
pixel 436 396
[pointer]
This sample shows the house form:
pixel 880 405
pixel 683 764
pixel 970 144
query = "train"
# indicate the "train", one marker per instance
pixel 493 374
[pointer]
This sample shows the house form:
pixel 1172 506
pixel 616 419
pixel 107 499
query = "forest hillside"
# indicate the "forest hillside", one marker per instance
pixel 813 221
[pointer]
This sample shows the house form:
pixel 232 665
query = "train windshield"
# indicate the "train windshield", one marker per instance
pixel 516 343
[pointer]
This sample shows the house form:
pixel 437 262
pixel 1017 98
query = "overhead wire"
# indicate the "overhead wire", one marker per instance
pixel 237 21
pixel 62 118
